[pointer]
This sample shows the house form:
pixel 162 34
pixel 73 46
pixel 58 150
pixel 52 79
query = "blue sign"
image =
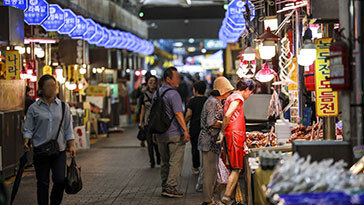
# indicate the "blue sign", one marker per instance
pixel 55 19
pixel 105 38
pixel 80 30
pixel 91 30
pixel 113 39
pixel 122 40
pixel 37 12
pixel 235 13
pixel 232 29
pixel 131 42
pixel 98 35
pixel 70 20
pixel 20 4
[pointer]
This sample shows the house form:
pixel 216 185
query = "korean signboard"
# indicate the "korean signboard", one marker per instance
pixel 12 65
pixel 55 19
pixel 326 100
pixel 70 21
pixel 20 4
pixel 37 12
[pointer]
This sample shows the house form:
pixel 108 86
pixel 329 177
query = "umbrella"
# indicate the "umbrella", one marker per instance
pixel 22 161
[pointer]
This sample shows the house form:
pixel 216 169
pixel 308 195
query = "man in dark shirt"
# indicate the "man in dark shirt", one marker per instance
pixel 193 114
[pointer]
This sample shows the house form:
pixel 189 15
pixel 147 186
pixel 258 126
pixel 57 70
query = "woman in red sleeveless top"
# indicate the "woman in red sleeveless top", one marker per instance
pixel 234 131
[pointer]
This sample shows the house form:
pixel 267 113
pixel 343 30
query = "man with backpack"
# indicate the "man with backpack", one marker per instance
pixel 167 123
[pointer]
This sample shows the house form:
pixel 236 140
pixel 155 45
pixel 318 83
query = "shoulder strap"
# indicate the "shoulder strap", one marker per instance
pixel 60 124
pixel 148 98
pixel 166 91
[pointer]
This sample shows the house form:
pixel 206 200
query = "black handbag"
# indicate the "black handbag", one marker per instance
pixel 73 178
pixel 52 147
pixel 142 134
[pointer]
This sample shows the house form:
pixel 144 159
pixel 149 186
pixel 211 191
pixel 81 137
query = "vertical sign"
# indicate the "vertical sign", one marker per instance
pixel 20 4
pixel 37 12
pixel 326 99
pixel 70 20
pixel 12 65
pixel 55 19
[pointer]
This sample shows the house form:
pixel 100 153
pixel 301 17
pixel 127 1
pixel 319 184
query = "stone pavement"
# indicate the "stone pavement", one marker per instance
pixel 116 171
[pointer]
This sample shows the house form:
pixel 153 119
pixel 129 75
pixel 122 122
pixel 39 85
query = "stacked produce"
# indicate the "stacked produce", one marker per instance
pixel 258 139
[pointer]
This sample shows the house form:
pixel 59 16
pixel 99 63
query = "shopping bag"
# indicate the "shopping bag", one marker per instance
pixel 73 178
pixel 142 134
pixel 222 173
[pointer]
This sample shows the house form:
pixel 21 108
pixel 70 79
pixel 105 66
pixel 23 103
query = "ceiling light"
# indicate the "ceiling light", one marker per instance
pixel 178 44
pixel 191 49
pixel 267 48
pixel 191 40
pixel 141 14
pixel 188 2
pixel 203 50
pixel 307 54
pixel 153 72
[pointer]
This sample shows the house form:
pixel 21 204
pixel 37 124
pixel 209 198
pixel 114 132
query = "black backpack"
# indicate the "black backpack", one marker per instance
pixel 159 121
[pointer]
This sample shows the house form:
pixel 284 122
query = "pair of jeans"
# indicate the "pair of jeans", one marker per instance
pixel 172 150
pixel 195 151
pixel 43 165
pixel 152 148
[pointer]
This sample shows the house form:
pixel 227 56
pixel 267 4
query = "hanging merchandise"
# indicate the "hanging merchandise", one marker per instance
pixel 267 44
pixel 265 74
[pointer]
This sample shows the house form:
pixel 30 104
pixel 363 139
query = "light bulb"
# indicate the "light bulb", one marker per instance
pixel 82 70
pixel 306 57
pixel 99 70
pixel 20 49
pixel 267 52
pixel 153 72
pixel 94 70
pixel 61 80
pixel 144 72
pixel 33 78
pixel 80 86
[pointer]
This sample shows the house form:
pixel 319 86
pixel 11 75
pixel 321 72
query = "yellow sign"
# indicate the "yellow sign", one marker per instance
pixel 326 100
pixel 47 70
pixel 12 67
pixel 294 78
pixel 95 90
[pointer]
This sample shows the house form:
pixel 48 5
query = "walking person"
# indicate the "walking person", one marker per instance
pixel 144 118
pixel 48 121
pixel 171 143
pixel 235 134
pixel 211 122
pixel 193 116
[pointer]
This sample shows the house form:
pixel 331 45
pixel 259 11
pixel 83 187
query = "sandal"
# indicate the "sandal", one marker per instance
pixel 226 201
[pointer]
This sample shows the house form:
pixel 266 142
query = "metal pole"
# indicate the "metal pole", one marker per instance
pixel 344 96
pixel 299 68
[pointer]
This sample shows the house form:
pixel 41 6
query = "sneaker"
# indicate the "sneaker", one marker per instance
pixel 172 192
pixel 195 171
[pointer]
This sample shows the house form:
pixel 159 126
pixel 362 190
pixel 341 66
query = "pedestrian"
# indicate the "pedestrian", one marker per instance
pixel 43 125
pixel 29 100
pixel 193 115
pixel 144 118
pixel 171 144
pixel 211 122
pixel 235 134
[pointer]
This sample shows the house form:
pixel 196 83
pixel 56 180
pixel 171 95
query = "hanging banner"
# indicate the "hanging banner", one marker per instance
pixel 55 19
pixel 80 30
pixel 70 20
pixel 20 4
pixel 37 12
pixel 98 35
pixel 91 30
pixel 326 100
pixel 12 65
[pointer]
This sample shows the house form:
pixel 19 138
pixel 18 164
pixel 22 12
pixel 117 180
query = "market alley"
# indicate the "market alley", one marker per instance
pixel 116 170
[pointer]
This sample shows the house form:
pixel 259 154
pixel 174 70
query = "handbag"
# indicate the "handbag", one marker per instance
pixel 142 134
pixel 52 147
pixel 73 178
pixel 222 173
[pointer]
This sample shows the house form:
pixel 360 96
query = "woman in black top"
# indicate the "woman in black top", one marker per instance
pixel 193 114
pixel 144 118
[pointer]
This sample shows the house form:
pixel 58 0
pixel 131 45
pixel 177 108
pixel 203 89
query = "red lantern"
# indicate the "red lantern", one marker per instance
pixel 310 77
